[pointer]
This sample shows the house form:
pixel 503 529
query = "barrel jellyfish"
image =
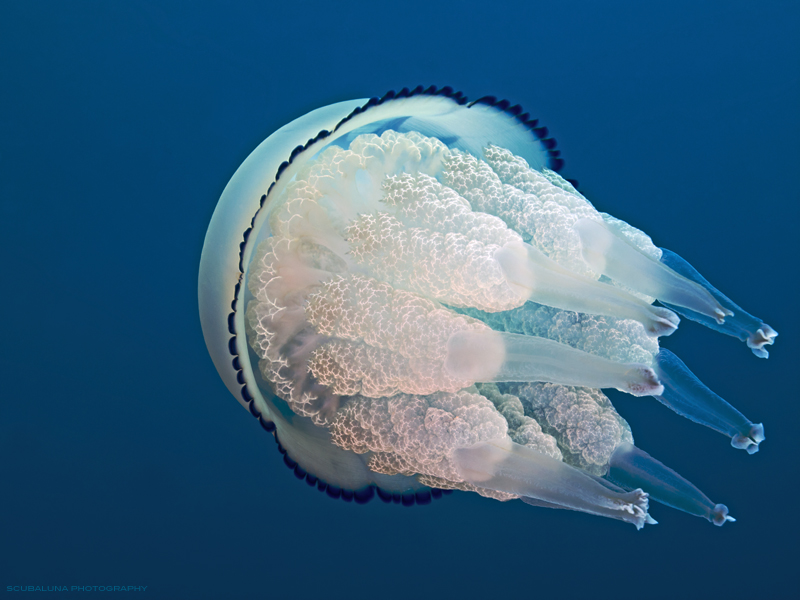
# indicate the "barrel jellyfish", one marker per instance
pixel 411 299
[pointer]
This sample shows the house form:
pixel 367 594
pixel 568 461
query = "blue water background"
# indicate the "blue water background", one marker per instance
pixel 125 461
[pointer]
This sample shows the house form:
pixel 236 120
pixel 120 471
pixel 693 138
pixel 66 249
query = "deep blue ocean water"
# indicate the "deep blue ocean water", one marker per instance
pixel 125 461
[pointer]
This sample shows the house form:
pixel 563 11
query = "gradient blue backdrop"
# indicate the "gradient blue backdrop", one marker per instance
pixel 123 459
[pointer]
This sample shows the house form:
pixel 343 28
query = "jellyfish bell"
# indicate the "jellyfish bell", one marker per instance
pixel 407 294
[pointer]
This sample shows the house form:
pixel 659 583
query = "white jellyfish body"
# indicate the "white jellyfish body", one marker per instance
pixel 418 302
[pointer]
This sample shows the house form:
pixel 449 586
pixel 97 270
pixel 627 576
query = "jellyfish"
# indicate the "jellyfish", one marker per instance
pixel 411 299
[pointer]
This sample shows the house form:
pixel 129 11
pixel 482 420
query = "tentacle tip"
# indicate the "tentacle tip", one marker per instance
pixel 643 381
pixel 635 507
pixel 763 336
pixel 749 440
pixel 651 521
pixel 719 515
pixel 661 328
pixel 664 323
